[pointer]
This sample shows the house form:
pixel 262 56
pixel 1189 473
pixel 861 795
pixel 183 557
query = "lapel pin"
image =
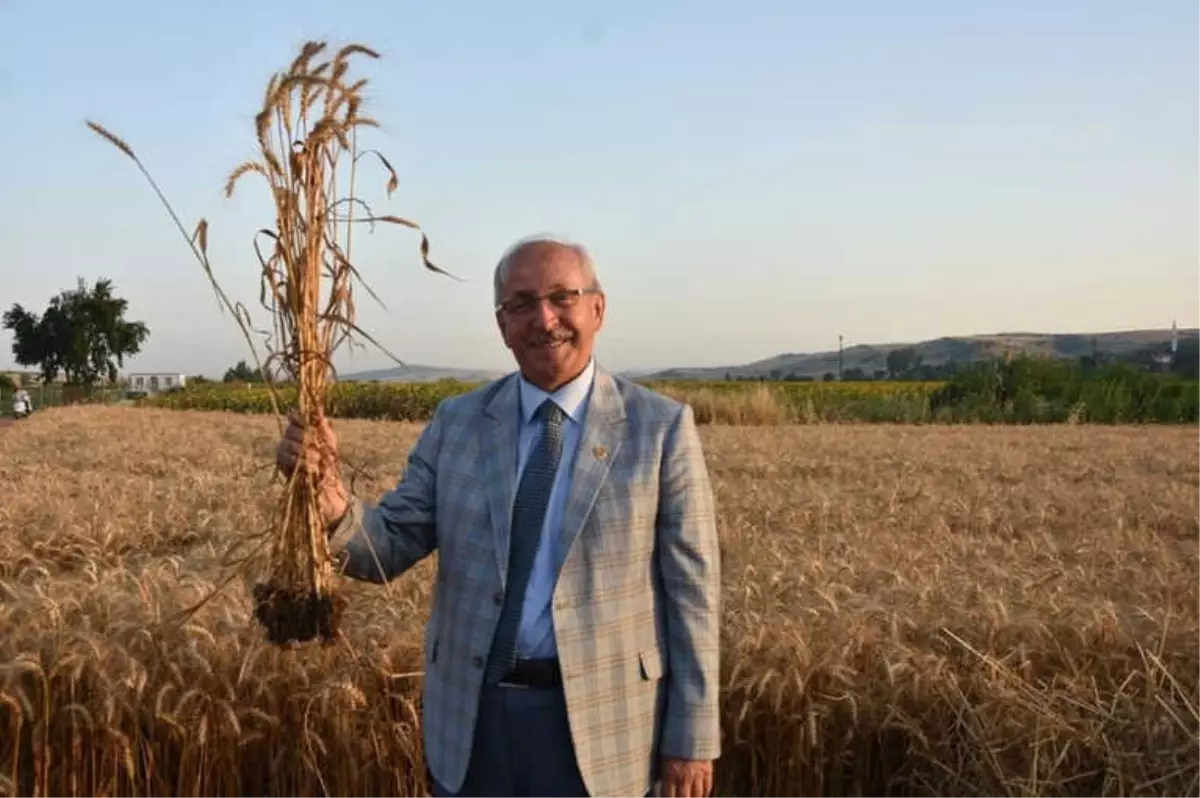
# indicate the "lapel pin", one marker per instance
pixel 600 452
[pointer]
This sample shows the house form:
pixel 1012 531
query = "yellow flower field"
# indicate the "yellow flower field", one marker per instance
pixel 714 402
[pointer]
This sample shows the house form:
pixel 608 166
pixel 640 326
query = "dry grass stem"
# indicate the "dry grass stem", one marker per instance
pixel 307 135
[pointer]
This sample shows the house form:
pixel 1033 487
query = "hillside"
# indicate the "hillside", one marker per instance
pixel 418 373
pixel 871 358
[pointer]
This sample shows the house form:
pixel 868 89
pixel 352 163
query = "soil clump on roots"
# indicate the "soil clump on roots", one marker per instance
pixel 296 615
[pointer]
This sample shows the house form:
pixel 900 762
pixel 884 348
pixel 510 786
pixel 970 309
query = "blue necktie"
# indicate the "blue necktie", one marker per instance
pixel 529 511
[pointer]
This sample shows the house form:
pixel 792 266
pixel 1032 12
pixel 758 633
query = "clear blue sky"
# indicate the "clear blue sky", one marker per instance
pixel 751 179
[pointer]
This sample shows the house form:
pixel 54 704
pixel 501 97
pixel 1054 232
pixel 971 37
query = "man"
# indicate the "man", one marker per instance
pixel 21 403
pixel 572 645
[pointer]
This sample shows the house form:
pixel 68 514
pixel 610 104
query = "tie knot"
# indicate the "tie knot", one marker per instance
pixel 551 413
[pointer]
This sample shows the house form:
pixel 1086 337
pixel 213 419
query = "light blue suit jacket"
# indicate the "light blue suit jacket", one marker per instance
pixel 636 604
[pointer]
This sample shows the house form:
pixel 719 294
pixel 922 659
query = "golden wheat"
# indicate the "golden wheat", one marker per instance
pixel 949 610
pixel 307 125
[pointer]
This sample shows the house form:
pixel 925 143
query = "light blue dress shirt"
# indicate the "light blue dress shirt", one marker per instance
pixel 535 637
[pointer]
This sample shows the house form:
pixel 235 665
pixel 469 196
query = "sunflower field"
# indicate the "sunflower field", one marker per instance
pixel 713 402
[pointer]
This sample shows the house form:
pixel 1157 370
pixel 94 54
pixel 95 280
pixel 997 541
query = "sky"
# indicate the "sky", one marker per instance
pixel 750 179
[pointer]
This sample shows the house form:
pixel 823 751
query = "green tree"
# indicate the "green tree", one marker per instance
pixel 854 374
pixel 242 373
pixel 83 333
pixel 901 361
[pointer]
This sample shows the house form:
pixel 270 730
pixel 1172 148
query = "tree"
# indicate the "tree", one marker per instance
pixel 901 361
pixel 242 373
pixel 1187 360
pixel 854 374
pixel 81 333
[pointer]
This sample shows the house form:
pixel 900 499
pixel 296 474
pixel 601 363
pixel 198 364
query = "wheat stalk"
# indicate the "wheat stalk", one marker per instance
pixel 306 130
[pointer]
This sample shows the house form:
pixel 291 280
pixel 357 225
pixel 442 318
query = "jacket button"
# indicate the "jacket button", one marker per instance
pixel 498 598
pixel 477 662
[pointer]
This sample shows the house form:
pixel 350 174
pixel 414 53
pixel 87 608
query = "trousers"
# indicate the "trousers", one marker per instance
pixel 522 746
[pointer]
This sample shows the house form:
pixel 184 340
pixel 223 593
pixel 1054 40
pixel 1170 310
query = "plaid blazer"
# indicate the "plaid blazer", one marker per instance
pixel 636 603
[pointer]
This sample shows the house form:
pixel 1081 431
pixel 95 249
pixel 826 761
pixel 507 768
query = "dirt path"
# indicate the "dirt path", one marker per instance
pixel 4 422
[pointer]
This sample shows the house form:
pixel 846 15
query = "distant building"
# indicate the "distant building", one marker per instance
pixel 156 382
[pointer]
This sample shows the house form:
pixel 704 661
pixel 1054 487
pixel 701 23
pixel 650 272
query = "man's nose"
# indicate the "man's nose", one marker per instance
pixel 544 315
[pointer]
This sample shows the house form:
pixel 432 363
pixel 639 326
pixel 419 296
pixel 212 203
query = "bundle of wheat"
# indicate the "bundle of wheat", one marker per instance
pixel 308 124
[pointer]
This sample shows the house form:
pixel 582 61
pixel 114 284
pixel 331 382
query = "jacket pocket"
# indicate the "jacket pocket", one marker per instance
pixel 651 665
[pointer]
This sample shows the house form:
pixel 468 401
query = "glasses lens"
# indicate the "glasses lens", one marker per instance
pixel 563 298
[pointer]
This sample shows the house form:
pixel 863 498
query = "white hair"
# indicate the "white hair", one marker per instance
pixel 586 265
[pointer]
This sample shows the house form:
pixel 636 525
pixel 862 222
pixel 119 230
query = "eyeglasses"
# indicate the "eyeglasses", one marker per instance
pixel 561 299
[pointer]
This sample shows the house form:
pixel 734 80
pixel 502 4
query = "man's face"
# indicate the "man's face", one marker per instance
pixel 550 329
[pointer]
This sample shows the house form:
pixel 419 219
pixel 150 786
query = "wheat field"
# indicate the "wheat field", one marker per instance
pixel 908 610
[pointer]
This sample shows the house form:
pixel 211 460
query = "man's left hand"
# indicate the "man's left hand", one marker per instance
pixel 686 778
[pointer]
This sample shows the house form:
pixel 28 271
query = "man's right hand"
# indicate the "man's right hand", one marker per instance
pixel 315 453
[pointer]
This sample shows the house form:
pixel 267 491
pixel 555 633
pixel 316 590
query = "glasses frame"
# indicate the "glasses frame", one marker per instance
pixel 560 298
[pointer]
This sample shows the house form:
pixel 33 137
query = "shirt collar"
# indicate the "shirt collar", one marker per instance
pixel 570 398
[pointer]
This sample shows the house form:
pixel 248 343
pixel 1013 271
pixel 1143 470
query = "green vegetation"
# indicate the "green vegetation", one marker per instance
pixel 242 372
pixel 83 333
pixel 741 402
pixel 719 402
pixel 1032 390
pixel 58 394
pixel 375 400
pixel 1025 390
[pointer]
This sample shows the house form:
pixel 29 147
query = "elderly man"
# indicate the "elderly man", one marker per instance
pixel 572 646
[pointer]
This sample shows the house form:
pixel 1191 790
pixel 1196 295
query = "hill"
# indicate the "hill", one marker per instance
pixel 418 373
pixel 872 358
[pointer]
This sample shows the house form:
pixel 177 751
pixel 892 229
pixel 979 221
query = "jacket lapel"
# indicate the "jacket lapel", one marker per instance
pixel 500 430
pixel 598 444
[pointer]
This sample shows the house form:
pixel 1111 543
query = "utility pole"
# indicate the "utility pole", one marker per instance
pixel 839 373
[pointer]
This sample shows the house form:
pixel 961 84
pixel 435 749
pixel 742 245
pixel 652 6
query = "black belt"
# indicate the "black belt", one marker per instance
pixel 541 673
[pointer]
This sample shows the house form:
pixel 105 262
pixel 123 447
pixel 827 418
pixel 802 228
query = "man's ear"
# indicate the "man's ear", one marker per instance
pixel 601 306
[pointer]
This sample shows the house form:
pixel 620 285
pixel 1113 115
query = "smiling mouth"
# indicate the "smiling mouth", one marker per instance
pixel 555 343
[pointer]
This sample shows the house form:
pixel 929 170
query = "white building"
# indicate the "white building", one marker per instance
pixel 156 382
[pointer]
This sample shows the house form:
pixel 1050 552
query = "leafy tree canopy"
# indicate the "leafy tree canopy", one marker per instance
pixel 82 333
pixel 242 373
